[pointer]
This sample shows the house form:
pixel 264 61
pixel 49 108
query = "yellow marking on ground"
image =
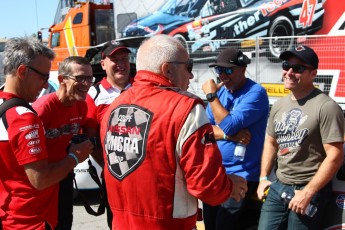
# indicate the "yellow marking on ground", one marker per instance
pixel 200 225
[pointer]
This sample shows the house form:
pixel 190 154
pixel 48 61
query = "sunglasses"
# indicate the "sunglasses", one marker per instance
pixel 82 79
pixel 188 63
pixel 297 68
pixel 219 70
pixel 45 76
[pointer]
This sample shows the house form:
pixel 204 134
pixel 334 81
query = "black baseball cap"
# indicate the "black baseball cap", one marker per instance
pixel 111 47
pixel 228 58
pixel 304 53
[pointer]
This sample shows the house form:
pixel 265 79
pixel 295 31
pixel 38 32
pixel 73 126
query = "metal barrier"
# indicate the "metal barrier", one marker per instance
pixel 266 65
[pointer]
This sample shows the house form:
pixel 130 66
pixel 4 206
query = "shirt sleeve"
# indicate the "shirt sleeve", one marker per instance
pixel 201 160
pixel 331 123
pixel 241 116
pixel 26 136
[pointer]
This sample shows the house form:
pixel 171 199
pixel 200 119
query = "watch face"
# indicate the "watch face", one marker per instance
pixel 211 96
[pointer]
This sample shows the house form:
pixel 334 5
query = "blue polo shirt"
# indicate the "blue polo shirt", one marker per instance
pixel 248 108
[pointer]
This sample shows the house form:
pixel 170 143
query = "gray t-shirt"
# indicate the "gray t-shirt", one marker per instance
pixel 301 128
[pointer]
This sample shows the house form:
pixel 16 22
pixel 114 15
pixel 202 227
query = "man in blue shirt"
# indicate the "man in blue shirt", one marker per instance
pixel 238 110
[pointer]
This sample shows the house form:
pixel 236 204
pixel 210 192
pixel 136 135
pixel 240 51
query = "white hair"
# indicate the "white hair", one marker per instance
pixel 157 50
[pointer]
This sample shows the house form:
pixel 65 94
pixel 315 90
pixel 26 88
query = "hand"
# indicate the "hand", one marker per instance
pixel 300 201
pixel 211 87
pixel 243 136
pixel 82 150
pixel 239 187
pixel 263 185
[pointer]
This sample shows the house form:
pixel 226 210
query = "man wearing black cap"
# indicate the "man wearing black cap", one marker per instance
pixel 115 62
pixel 238 110
pixel 305 136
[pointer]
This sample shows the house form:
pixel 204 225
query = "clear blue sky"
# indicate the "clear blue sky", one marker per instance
pixel 20 17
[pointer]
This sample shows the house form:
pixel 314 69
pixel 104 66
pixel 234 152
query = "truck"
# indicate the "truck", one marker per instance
pixel 262 29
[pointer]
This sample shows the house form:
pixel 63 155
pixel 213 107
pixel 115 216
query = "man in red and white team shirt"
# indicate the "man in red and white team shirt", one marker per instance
pixel 115 62
pixel 68 107
pixel 28 178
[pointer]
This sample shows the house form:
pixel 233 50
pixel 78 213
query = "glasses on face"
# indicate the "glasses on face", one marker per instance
pixel 297 68
pixel 45 76
pixel 188 63
pixel 227 70
pixel 82 79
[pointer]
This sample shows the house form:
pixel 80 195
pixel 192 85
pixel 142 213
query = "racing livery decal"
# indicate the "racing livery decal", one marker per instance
pixel 126 139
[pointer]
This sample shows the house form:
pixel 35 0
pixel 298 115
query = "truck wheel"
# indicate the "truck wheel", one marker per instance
pixel 281 26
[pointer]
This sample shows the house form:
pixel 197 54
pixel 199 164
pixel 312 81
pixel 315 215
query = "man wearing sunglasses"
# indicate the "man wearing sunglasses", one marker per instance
pixel 63 113
pixel 238 111
pixel 29 174
pixel 159 150
pixel 305 137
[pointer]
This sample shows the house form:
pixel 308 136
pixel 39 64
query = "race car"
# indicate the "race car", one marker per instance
pixel 209 22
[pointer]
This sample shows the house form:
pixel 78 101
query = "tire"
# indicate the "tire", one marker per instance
pixel 281 26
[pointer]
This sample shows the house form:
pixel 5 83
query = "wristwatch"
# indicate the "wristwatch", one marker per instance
pixel 211 96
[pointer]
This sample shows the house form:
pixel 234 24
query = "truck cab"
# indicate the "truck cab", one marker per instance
pixel 79 25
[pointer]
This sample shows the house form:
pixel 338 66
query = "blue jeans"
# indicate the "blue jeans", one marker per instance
pixel 228 215
pixel 276 215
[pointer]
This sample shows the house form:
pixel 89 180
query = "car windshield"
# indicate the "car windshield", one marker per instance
pixel 177 7
pixel 184 7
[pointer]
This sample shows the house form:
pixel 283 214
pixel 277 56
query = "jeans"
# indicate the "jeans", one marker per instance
pixel 276 215
pixel 65 209
pixel 227 215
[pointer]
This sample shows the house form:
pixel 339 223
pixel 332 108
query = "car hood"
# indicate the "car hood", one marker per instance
pixel 161 18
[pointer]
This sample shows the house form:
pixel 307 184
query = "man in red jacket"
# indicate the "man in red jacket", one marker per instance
pixel 29 175
pixel 159 149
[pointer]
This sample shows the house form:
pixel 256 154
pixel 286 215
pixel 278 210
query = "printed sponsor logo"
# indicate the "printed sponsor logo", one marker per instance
pixel 125 118
pixel 126 139
pixel 34 142
pixel 81 170
pixel 32 135
pixel 35 150
pixel 246 24
pixel 35 126
pixel 340 201
pixel 269 7
pixel 75 118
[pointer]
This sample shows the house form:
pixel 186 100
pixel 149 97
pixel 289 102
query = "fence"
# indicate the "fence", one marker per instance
pixel 265 67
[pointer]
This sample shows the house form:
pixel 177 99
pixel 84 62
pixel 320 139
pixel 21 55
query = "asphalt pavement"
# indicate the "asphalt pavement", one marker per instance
pixel 84 221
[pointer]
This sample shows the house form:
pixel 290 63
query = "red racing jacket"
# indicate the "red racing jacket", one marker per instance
pixel 160 157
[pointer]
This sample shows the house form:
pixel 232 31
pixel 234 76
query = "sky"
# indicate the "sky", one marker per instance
pixel 25 17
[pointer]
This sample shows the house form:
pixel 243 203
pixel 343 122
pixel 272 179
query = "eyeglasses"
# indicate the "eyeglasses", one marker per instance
pixel 188 63
pixel 219 70
pixel 45 76
pixel 297 68
pixel 82 79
